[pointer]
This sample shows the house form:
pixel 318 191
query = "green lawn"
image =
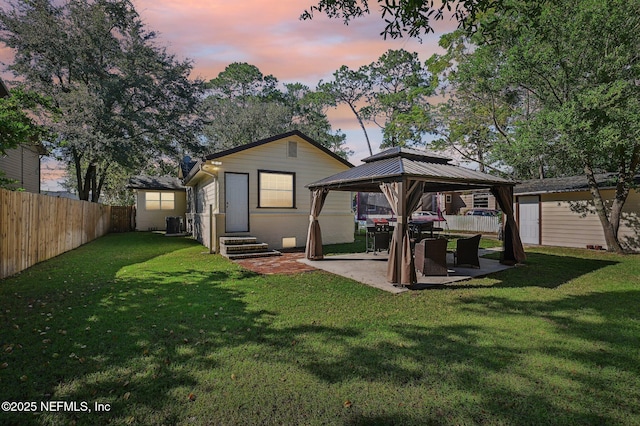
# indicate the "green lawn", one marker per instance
pixel 167 334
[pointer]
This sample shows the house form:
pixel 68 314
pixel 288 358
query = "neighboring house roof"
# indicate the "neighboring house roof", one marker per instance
pixel 186 165
pixel 241 148
pixel 566 184
pixel 155 182
pixel 397 162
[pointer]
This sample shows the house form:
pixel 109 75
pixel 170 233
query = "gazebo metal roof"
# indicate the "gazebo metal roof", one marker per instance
pixel 397 163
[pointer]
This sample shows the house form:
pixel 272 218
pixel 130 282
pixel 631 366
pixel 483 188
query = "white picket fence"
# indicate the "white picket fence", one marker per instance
pixel 484 224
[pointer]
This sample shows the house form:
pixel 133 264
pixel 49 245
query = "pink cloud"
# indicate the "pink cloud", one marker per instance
pixel 216 33
pixel 269 35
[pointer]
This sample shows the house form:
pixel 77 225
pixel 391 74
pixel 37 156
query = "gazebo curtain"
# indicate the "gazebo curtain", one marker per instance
pixel 513 251
pixel 313 250
pixel 412 196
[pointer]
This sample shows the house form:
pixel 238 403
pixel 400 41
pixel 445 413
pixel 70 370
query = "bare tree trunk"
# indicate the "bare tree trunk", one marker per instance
pixel 610 234
pixel 366 136
pixel 98 190
pixel 86 185
pixel 541 169
pixel 78 166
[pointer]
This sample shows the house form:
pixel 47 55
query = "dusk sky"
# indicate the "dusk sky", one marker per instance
pixel 270 35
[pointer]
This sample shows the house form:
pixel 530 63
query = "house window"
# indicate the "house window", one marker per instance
pixel 276 189
pixel 159 200
pixel 480 201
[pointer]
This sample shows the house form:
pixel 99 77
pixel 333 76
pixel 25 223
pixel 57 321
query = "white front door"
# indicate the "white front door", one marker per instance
pixel 529 220
pixel 236 192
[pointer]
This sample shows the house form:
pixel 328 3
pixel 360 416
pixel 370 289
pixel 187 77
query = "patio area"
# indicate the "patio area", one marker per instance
pixel 371 269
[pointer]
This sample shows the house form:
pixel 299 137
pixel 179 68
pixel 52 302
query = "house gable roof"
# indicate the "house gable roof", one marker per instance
pixel 216 155
pixel 276 138
pixel 156 182
pixel 566 184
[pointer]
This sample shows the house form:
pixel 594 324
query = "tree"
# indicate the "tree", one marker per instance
pixel 397 100
pixel 243 105
pixel 583 73
pixel 241 81
pixel 410 17
pixel 17 124
pixel 349 87
pixel 479 112
pixel 390 92
pixel 122 99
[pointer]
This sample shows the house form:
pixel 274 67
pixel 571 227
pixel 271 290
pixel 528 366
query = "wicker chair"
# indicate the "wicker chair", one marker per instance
pixel 431 256
pixel 467 251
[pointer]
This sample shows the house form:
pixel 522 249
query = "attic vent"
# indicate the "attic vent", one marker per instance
pixel 292 149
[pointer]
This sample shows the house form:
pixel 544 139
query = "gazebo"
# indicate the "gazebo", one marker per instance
pixel 403 176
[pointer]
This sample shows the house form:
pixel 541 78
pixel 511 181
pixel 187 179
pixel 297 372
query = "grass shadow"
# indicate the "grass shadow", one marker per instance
pixel 540 270
pixel 151 329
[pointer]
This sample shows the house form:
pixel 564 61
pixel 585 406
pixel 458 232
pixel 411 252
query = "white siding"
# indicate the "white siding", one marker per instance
pixel 22 164
pixel 151 220
pixel 271 225
pixel 205 196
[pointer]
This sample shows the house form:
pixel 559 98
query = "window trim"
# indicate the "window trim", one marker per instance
pixel 159 200
pixel 277 172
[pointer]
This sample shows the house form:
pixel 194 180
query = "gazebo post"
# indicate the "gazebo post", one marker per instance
pixel 402 213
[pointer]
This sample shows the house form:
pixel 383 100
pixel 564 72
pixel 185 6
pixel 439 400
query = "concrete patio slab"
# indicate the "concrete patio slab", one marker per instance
pixel 371 269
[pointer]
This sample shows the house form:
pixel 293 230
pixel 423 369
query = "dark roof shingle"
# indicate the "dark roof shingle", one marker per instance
pixel 155 182
pixel 566 184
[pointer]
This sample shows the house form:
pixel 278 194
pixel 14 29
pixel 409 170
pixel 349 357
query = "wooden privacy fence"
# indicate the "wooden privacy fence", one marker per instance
pixel 123 218
pixel 36 227
pixel 484 224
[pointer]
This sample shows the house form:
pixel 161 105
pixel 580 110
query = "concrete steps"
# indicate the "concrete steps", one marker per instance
pixel 244 248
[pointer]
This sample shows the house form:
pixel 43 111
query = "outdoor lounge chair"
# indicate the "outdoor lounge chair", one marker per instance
pixel 431 256
pixel 467 251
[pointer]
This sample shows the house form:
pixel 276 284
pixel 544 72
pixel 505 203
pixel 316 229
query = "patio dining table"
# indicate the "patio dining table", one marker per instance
pixel 418 228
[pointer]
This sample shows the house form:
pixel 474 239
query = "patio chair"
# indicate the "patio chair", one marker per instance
pixel 467 251
pixel 431 257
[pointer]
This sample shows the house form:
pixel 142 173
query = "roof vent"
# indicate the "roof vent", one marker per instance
pixel 292 149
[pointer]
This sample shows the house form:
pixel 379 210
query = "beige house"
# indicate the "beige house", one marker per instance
pixel 258 190
pixel 157 198
pixel 559 212
pixel 22 164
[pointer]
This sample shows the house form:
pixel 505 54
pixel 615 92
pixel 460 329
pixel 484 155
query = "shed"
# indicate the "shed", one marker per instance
pixel 403 176
pixel 156 199
pixel 560 212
